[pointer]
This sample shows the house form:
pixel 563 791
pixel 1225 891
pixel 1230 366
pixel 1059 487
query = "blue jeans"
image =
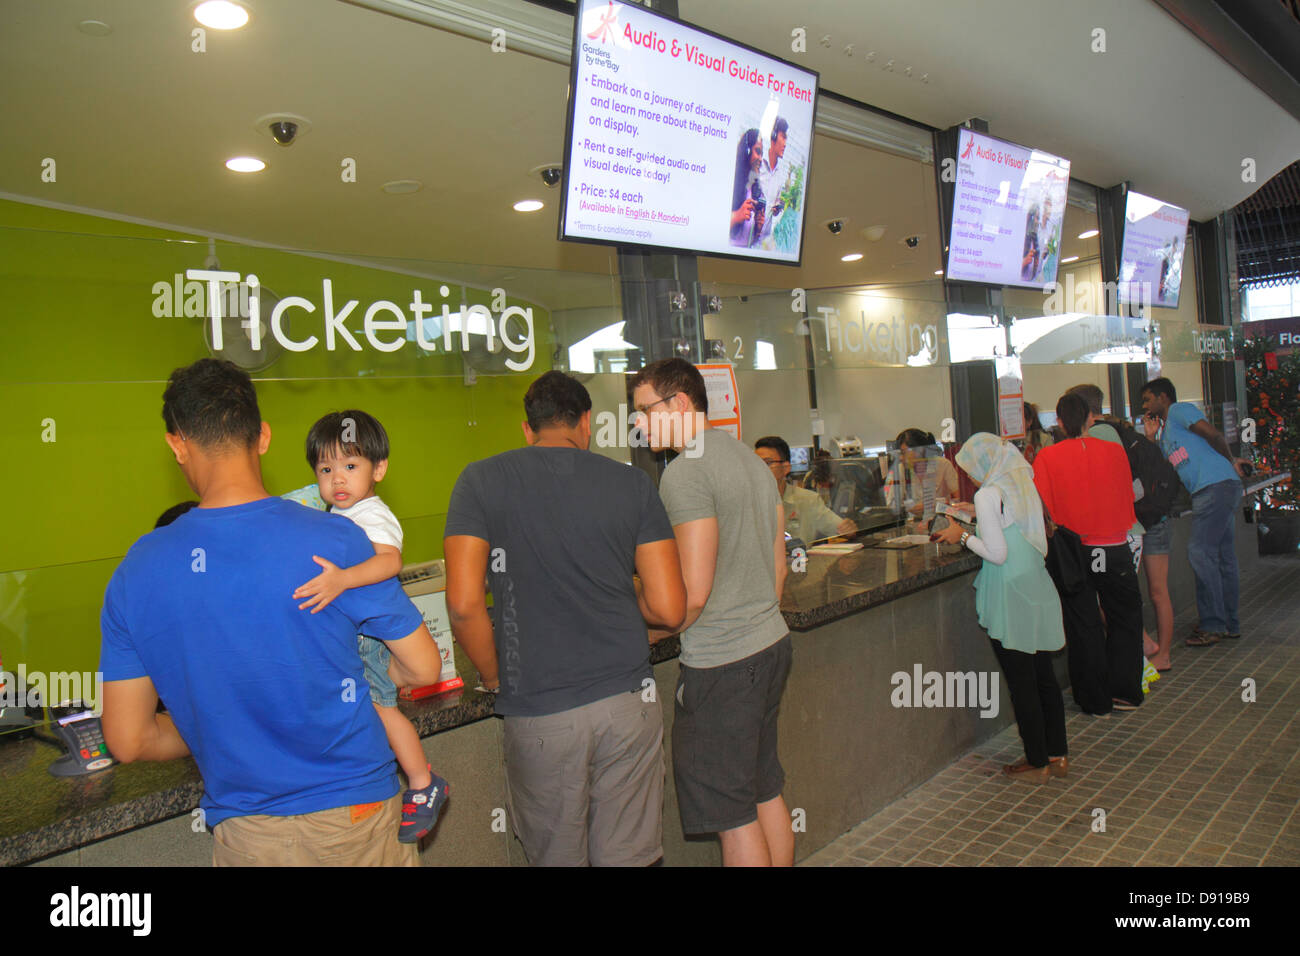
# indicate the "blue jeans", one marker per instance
pixel 1213 555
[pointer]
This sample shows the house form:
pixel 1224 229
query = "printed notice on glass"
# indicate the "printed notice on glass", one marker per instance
pixel 684 140
pixel 1008 211
pixel 724 399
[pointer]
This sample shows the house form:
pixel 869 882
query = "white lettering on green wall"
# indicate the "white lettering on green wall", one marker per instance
pixel 386 326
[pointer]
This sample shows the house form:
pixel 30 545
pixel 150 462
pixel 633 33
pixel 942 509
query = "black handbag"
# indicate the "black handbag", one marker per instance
pixel 1067 563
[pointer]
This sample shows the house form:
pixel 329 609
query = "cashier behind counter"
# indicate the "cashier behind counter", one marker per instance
pixel 805 515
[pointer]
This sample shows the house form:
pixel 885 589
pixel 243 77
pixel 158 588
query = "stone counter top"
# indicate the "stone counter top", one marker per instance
pixel 41 815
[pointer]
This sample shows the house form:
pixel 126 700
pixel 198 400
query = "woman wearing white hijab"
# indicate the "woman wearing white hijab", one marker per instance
pixel 1016 600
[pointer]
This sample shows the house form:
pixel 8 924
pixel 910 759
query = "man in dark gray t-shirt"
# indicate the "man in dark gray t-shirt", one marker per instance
pixel 560 532
pixel 735 647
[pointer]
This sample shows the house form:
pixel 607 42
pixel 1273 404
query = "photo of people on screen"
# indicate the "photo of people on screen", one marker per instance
pixel 1171 271
pixel 767 190
pixel 1041 252
pixel 745 209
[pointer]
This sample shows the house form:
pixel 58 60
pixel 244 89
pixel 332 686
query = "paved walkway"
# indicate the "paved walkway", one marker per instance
pixel 1195 776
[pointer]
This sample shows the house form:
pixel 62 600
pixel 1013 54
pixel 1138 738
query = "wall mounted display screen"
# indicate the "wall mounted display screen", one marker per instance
pixel 682 140
pixel 1007 213
pixel 1151 262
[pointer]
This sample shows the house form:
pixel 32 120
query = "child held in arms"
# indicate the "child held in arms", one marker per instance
pixel 348 451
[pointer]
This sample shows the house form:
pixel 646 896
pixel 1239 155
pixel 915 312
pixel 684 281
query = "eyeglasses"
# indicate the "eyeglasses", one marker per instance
pixel 773 462
pixel 646 410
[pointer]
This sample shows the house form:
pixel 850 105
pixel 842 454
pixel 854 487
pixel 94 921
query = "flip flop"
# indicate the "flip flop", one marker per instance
pixel 1164 670
pixel 1202 639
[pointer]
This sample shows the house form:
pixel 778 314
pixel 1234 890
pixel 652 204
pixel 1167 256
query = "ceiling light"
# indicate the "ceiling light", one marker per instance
pixel 245 164
pixel 1089 234
pixel 1070 259
pixel 399 186
pixel 873 233
pixel 528 205
pixel 938 272
pixel 851 257
pixel 221 15
pixel 94 28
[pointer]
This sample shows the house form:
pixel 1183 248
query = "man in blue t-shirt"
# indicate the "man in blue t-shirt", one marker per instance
pixel 1212 475
pixel 270 699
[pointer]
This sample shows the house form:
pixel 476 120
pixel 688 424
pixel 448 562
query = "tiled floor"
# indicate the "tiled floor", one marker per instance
pixel 1196 776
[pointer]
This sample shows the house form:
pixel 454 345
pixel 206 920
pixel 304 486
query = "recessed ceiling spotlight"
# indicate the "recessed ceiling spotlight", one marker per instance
pixel 1090 233
pixel 851 257
pixel 399 186
pixel 873 233
pixel 1070 259
pixel 94 28
pixel 221 15
pixel 938 272
pixel 245 164
pixel 528 205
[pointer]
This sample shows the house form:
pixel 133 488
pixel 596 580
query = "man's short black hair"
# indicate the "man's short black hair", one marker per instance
pixel 352 432
pixel 671 376
pixel 555 399
pixel 1161 386
pixel 1090 394
pixel 782 125
pixel 212 403
pixel 778 445
pixel 1072 413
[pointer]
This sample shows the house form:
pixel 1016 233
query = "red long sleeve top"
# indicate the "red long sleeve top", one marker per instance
pixel 1087 487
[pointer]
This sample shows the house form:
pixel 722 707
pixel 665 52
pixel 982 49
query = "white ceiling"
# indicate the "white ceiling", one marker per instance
pixel 140 125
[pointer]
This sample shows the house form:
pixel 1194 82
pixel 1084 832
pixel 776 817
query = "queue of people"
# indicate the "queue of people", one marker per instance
pixel 588 565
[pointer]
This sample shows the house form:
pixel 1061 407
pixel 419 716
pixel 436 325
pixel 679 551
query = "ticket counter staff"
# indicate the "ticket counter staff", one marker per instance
pixel 806 517
pixel 917 447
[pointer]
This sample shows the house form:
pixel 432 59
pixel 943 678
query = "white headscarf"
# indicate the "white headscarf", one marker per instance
pixel 997 463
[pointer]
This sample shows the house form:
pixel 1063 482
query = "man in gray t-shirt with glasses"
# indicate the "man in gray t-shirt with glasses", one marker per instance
pixel 735 657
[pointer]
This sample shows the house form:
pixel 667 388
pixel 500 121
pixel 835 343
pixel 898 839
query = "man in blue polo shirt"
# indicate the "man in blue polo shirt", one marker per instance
pixel 271 700
pixel 1212 475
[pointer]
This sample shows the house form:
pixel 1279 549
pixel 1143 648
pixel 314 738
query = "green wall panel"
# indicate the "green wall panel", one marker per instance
pixel 84 349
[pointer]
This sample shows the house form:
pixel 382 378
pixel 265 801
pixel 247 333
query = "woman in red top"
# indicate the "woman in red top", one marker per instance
pixel 1087 489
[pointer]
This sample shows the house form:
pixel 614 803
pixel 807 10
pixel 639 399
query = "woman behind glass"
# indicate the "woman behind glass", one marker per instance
pixel 1015 598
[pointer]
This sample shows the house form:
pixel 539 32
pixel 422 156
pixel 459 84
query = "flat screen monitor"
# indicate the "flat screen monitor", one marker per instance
pixel 1007 213
pixel 800 456
pixel 1151 260
pixel 681 139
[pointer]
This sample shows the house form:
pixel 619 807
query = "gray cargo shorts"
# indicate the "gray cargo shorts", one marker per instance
pixel 586 786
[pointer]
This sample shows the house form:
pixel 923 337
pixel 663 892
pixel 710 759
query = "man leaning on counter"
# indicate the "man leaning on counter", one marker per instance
pixel 806 517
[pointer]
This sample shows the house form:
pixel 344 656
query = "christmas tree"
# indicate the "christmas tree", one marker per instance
pixel 1273 400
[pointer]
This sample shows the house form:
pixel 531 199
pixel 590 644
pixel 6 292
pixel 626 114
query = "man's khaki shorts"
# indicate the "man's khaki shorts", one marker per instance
pixel 586 786
pixel 362 835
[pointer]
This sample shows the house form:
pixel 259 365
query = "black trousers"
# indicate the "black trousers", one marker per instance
pixel 1036 699
pixel 1105 658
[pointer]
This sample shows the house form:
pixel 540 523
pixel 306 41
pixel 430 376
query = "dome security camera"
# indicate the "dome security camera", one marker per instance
pixel 912 241
pixel 551 176
pixel 284 131
pixel 836 226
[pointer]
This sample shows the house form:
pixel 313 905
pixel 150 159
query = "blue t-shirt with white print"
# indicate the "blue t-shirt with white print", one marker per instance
pixel 271 700
pixel 1196 461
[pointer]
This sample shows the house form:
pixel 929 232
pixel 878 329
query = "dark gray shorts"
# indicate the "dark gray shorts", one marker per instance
pixel 724 739
pixel 586 786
